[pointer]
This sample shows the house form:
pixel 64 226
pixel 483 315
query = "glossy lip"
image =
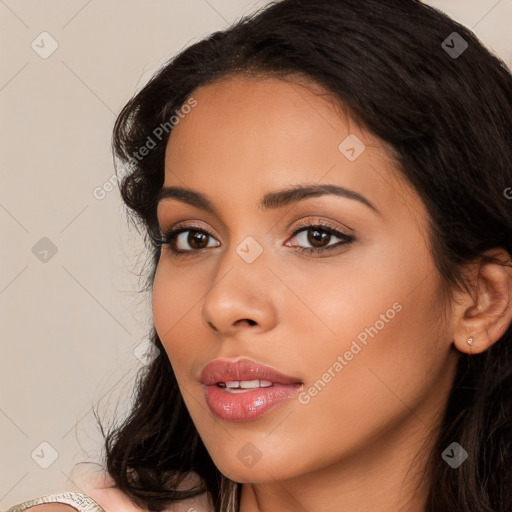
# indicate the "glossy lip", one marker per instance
pixel 221 370
pixel 250 404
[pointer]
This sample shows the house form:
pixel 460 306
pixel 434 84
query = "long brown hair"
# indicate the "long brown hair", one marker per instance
pixel 448 120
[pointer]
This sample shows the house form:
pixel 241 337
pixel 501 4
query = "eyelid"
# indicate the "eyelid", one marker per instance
pixel 346 230
pixel 188 225
pixel 345 239
pixel 309 222
pixel 169 238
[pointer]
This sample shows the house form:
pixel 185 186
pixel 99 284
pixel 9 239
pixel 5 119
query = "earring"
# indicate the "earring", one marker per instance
pixel 470 341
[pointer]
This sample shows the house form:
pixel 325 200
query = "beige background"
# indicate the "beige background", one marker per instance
pixel 70 321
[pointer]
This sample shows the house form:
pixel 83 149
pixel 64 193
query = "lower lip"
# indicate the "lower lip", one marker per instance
pixel 248 405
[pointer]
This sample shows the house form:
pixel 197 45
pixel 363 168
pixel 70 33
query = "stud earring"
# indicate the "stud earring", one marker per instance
pixel 470 341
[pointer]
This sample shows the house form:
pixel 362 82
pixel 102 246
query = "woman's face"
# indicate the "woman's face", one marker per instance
pixel 356 325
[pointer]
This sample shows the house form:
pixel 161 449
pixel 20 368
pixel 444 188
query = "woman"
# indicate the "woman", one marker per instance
pixel 330 231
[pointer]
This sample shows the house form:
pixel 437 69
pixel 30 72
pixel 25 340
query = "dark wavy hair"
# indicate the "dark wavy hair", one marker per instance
pixel 448 121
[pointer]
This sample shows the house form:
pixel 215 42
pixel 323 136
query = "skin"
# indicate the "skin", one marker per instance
pixel 361 442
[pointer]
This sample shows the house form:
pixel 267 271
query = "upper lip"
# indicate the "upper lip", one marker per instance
pixel 243 369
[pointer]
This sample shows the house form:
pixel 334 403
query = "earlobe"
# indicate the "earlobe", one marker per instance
pixel 474 344
pixel 485 322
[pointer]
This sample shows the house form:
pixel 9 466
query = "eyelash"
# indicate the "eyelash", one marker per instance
pixel 169 238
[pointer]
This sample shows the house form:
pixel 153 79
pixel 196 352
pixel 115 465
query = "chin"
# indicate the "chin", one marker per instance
pixel 262 471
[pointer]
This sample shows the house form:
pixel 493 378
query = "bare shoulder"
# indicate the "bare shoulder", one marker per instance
pixel 111 499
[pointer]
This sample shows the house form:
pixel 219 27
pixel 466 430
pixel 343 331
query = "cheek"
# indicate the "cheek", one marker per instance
pixel 375 349
pixel 173 298
pixel 163 303
pixel 177 296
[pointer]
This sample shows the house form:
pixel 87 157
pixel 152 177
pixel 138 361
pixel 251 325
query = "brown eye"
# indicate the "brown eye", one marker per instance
pixel 197 239
pixel 186 240
pixel 191 239
pixel 319 236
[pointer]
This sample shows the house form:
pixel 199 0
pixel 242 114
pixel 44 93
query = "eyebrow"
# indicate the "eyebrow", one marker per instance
pixel 272 200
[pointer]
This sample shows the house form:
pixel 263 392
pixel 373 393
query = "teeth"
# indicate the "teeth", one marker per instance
pixel 245 384
pixel 248 384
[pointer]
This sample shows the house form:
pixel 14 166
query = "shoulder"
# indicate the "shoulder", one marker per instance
pixel 101 489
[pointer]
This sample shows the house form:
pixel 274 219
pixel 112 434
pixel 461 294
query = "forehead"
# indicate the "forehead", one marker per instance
pixel 257 134
pixel 255 111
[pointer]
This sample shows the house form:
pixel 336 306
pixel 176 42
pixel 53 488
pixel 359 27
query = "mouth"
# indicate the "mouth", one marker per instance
pixel 244 390
pixel 243 374
pixel 242 386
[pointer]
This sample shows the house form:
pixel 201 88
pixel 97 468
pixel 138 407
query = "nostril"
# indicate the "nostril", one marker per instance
pixel 248 320
pixel 212 326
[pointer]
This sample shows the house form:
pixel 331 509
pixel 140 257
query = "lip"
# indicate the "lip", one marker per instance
pixel 221 370
pixel 250 404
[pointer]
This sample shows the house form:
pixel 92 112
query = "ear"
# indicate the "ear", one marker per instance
pixel 486 316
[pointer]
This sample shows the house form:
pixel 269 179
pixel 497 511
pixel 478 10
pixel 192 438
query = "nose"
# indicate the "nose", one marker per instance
pixel 247 320
pixel 241 298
